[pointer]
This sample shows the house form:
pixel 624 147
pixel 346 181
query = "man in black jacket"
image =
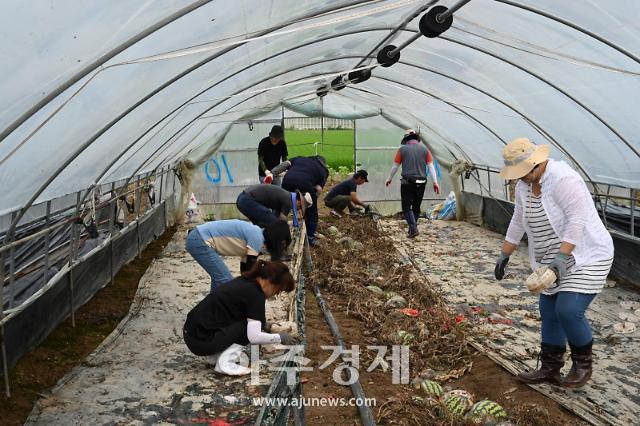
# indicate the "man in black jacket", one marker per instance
pixel 305 174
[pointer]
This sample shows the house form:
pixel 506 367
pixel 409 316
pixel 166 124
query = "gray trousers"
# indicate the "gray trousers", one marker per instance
pixel 339 203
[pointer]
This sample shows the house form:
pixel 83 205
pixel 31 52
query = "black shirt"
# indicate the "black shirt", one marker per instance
pixel 271 154
pixel 343 188
pixel 233 301
pixel 304 174
pixel 272 197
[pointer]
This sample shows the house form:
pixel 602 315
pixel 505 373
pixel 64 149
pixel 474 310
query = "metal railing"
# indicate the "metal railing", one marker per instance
pixel 598 195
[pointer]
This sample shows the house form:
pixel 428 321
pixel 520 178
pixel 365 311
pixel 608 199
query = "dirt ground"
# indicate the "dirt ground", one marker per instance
pixel 67 346
pixel 439 349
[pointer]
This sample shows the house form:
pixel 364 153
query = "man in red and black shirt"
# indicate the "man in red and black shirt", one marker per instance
pixel 414 157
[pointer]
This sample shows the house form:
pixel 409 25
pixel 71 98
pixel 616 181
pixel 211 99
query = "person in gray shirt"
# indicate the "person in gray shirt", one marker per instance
pixel 265 204
pixel 414 157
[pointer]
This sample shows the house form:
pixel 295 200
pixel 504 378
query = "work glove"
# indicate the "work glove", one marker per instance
pixel 287 339
pixel 268 326
pixel 387 182
pixel 500 265
pixel 268 178
pixel 559 265
pixel 367 208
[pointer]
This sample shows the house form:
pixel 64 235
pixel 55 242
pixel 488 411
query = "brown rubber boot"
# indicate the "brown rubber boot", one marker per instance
pixel 581 369
pixel 552 359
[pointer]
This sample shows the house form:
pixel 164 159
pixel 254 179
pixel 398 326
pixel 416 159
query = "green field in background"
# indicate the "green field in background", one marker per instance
pixel 337 147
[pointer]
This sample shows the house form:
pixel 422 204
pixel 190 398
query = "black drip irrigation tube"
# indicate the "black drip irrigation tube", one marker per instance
pixel 279 414
pixel 356 388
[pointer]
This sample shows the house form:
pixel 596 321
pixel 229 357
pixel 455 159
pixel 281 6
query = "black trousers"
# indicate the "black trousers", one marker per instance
pixel 219 341
pixel 411 197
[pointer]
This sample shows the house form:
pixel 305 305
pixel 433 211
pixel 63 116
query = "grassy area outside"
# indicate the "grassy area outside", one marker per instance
pixel 337 148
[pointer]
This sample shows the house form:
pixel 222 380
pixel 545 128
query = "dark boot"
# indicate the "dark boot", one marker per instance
pixel 552 359
pixel 411 221
pixel 581 369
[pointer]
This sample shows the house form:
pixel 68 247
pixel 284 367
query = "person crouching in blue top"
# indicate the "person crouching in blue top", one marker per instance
pixel 344 195
pixel 234 316
pixel 208 242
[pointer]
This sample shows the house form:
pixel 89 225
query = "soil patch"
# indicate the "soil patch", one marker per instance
pixel 66 346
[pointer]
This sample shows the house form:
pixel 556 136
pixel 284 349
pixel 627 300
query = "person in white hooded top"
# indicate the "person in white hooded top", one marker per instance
pixel 554 208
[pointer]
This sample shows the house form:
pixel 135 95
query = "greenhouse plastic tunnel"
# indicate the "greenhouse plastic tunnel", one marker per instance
pixel 115 113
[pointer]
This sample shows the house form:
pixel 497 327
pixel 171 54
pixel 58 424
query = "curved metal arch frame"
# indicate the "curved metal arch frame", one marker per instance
pixel 359 31
pixel 97 63
pixel 315 63
pixel 214 85
pixel 179 154
pixel 382 29
pixel 169 82
pixel 151 94
pixel 546 81
pixel 540 129
pixel 421 122
pixel 573 26
pixel 451 104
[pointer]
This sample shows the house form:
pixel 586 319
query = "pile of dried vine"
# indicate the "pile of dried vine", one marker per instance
pixel 439 342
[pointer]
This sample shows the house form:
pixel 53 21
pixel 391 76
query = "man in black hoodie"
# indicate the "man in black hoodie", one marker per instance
pixel 305 174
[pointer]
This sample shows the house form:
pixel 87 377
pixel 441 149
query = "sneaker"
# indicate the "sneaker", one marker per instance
pixel 230 361
pixel 335 213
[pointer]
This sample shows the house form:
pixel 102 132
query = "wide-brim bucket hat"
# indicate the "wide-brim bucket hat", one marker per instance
pixel 521 156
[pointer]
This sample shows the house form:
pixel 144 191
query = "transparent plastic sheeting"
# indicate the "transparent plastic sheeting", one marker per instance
pixel 167 95
pixel 377 141
pixel 234 166
pixel 334 106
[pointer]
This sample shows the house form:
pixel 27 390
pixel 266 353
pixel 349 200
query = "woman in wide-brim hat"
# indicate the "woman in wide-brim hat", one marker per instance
pixel 554 207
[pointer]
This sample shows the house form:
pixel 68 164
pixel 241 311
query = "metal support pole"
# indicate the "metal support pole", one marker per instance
pixel 489 180
pixel 633 211
pixel 443 16
pixel 606 201
pixel 5 368
pixel 12 267
pixel 113 210
pixel 75 244
pixel 355 145
pixel 47 242
pixel 161 185
pixel 322 123
pixel 397 50
pixel 136 205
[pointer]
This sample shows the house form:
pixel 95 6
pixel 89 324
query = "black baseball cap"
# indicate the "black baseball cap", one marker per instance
pixel 361 173
pixel 276 132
